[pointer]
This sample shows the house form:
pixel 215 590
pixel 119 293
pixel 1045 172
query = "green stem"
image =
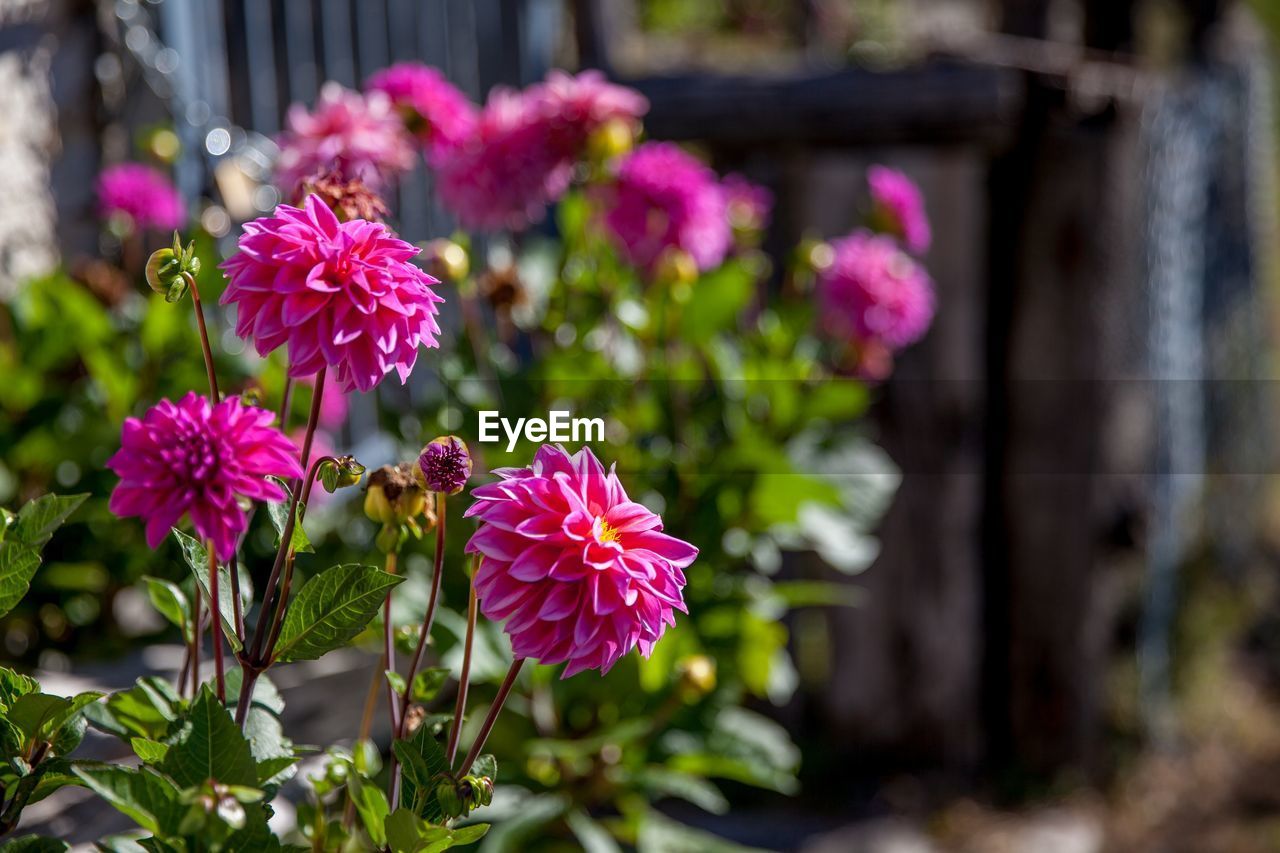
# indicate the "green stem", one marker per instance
pixel 429 617
pixel 455 730
pixel 204 337
pixel 215 612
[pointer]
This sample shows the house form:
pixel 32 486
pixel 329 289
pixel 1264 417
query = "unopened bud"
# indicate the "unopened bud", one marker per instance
pixel 444 465
pixel 168 269
pixel 448 797
pixel 612 139
pixel 446 260
pixel 697 674
pixel 676 266
pixel 394 495
pixel 340 473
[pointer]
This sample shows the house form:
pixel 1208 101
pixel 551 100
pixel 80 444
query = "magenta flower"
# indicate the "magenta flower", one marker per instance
pixel 142 194
pixel 445 465
pixel 196 458
pixel 438 115
pixel 899 208
pixel 665 199
pixel 575 569
pixel 874 291
pixel 341 294
pixel 509 171
pixel 575 106
pixel 358 136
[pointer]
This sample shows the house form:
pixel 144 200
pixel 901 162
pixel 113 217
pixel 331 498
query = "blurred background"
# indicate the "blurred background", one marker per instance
pixel 1069 636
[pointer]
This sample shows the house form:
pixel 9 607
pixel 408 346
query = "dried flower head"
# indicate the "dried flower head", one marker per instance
pixel 348 199
pixel 197 458
pixel 394 496
pixel 575 570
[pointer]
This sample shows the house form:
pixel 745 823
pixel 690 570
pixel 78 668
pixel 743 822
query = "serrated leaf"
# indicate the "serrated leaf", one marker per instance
pixel 146 710
pixel 38 520
pixel 485 765
pixel 18 564
pixel 278 512
pixel 331 609
pixel 396 680
pixel 197 559
pixel 265 693
pixel 171 603
pixel 427 683
pixel 273 771
pixel 148 798
pixel 371 805
pixel 423 759
pixel 13 685
pixel 41 717
pixel 210 746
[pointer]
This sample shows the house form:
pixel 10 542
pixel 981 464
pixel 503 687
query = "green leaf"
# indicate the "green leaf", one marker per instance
pixel 661 782
pixel 396 680
pixel 34 844
pixel 18 564
pixel 408 833
pixel 147 710
pixel 13 685
pixel 171 602
pixel 38 520
pixel 660 834
pixel 331 609
pixel 275 771
pixel 423 759
pixel 150 751
pixel 427 683
pixel 144 795
pixel 278 512
pixel 485 765
pixel 210 746
pixel 593 837
pixel 197 558
pixel 723 294
pixel 371 805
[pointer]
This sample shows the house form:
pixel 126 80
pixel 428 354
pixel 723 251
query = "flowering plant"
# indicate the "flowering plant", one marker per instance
pixel 729 401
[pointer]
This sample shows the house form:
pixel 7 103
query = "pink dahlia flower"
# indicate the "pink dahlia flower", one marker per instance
pixel 665 199
pixel 197 458
pixel 341 294
pixel 899 208
pixel 874 291
pixel 360 137
pixel 575 569
pixel 143 194
pixel 438 115
pixel 575 106
pixel 748 204
pixel 507 173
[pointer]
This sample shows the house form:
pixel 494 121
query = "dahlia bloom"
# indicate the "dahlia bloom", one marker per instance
pixel 874 291
pixel 436 113
pixel 143 194
pixel 507 173
pixel 197 458
pixel 665 199
pixel 445 465
pixel 899 207
pixel 359 136
pixel 575 106
pixel 576 571
pixel 341 294
pixel 748 204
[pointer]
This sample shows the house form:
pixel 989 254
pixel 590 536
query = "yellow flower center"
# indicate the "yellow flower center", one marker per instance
pixel 607 533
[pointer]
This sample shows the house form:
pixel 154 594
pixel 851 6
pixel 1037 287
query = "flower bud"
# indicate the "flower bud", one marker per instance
pixel 444 465
pixel 612 139
pixel 394 495
pixel 251 397
pixel 446 260
pixel 697 676
pixel 676 266
pixel 167 269
pixel 449 799
pixel 340 473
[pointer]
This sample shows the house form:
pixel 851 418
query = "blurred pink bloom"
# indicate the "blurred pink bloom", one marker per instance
pixel 749 204
pixel 507 173
pixel 575 569
pixel 341 294
pixel 874 291
pixel 575 106
pixel 195 458
pixel 358 136
pixel 899 207
pixel 143 194
pixel 439 115
pixel 333 405
pixel 665 199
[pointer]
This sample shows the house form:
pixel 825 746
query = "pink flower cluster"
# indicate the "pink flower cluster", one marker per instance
pixel 520 158
pixel 577 571
pixel 197 458
pixel 438 115
pixel 873 291
pixel 663 198
pixel 899 208
pixel 142 194
pixel 341 294
pixel 358 136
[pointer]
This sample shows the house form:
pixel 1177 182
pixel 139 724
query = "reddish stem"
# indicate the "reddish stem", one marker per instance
pixel 455 731
pixel 491 717
pixel 215 611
